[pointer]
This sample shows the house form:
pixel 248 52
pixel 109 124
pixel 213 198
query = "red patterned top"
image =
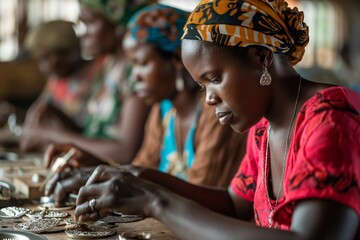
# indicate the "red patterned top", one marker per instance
pixel 323 160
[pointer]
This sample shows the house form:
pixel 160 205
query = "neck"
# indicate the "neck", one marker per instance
pixel 186 102
pixel 285 97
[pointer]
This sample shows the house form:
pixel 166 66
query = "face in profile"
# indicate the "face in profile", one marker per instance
pixel 154 74
pixel 231 83
pixel 59 62
pixel 100 37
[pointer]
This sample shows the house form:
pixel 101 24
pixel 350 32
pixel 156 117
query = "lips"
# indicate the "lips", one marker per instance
pixel 224 117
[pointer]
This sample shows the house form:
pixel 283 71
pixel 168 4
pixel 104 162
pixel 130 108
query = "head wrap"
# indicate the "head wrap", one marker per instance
pixel 117 12
pixel 50 36
pixel 267 23
pixel 159 24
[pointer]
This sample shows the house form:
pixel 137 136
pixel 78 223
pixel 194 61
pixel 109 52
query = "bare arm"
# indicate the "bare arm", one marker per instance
pixel 312 219
pixel 131 128
pixel 217 199
pixel 188 220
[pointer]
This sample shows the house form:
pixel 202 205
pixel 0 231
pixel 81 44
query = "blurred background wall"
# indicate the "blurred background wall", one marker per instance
pixel 333 54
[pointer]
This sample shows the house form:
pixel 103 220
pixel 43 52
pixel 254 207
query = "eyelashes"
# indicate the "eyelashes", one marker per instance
pixel 216 80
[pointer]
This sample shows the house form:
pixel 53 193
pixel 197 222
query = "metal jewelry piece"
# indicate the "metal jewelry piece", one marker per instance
pixel 130 235
pixel 74 230
pixel 285 157
pixel 53 207
pixel 46 214
pixel 92 204
pixel 265 79
pixel 38 225
pixel 13 212
pixel 121 219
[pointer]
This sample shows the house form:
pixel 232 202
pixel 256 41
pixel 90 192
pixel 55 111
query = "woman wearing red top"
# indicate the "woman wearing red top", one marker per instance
pixel 301 173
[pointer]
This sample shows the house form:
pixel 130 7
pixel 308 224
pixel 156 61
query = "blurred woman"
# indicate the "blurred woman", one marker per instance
pixel 115 118
pixel 183 137
pixel 56 49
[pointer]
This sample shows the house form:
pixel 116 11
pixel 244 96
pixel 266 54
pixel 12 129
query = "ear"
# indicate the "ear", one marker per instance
pixel 261 55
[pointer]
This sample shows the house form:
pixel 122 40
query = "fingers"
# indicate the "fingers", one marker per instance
pixel 66 186
pixel 96 205
pixel 101 173
pixel 51 184
pixel 51 151
pixel 89 192
pixel 49 155
pixel 84 213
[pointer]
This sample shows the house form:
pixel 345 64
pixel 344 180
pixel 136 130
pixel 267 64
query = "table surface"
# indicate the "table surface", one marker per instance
pixel 148 225
pixel 10 170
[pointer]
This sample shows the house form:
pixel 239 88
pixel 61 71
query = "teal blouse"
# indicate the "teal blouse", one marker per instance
pixel 171 160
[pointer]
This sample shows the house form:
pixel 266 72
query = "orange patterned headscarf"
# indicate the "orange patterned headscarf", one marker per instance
pixel 268 23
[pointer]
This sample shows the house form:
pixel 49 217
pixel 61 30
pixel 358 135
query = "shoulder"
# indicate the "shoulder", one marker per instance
pixel 331 109
pixel 333 98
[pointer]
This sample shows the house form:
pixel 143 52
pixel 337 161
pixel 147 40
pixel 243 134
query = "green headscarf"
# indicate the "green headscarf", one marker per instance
pixel 117 12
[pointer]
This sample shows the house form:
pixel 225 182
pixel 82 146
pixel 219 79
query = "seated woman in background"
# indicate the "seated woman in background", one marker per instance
pixel 56 48
pixel 300 176
pixel 114 119
pixel 183 137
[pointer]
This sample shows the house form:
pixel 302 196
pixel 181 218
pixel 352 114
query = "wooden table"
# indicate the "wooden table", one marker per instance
pixel 10 170
pixel 148 225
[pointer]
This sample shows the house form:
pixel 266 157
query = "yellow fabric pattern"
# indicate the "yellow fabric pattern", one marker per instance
pixel 267 23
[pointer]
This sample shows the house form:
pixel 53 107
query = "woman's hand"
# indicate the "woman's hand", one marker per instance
pixel 113 189
pixel 43 114
pixel 64 183
pixel 81 158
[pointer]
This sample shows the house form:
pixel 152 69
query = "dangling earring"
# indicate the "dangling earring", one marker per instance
pixel 265 79
pixel 179 83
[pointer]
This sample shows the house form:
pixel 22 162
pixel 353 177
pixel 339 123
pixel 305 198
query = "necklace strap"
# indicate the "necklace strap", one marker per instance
pixel 286 151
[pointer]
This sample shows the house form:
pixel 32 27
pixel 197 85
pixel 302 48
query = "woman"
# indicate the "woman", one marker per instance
pixel 114 124
pixel 300 176
pixel 183 137
pixel 56 48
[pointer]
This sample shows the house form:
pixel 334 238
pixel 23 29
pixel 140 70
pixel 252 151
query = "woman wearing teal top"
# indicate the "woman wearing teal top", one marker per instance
pixel 152 44
pixel 182 135
pixel 171 160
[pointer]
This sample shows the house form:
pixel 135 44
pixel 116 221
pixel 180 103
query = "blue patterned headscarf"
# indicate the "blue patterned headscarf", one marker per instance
pixel 160 25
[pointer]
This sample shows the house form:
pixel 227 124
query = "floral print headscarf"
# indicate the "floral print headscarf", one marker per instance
pixel 160 25
pixel 117 12
pixel 267 23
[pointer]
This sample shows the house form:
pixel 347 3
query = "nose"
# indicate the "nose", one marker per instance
pixel 211 98
pixel 135 76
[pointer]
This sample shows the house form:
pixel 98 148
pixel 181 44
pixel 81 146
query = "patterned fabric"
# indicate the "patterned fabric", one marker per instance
pixel 105 104
pixel 267 23
pixel 159 24
pixel 117 11
pixel 70 95
pixel 172 161
pixel 323 160
pixel 218 149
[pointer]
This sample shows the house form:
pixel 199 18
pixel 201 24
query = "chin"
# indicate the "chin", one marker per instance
pixel 239 128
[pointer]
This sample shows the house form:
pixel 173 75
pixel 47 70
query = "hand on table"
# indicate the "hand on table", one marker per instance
pixel 112 189
pixel 81 158
pixel 64 183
